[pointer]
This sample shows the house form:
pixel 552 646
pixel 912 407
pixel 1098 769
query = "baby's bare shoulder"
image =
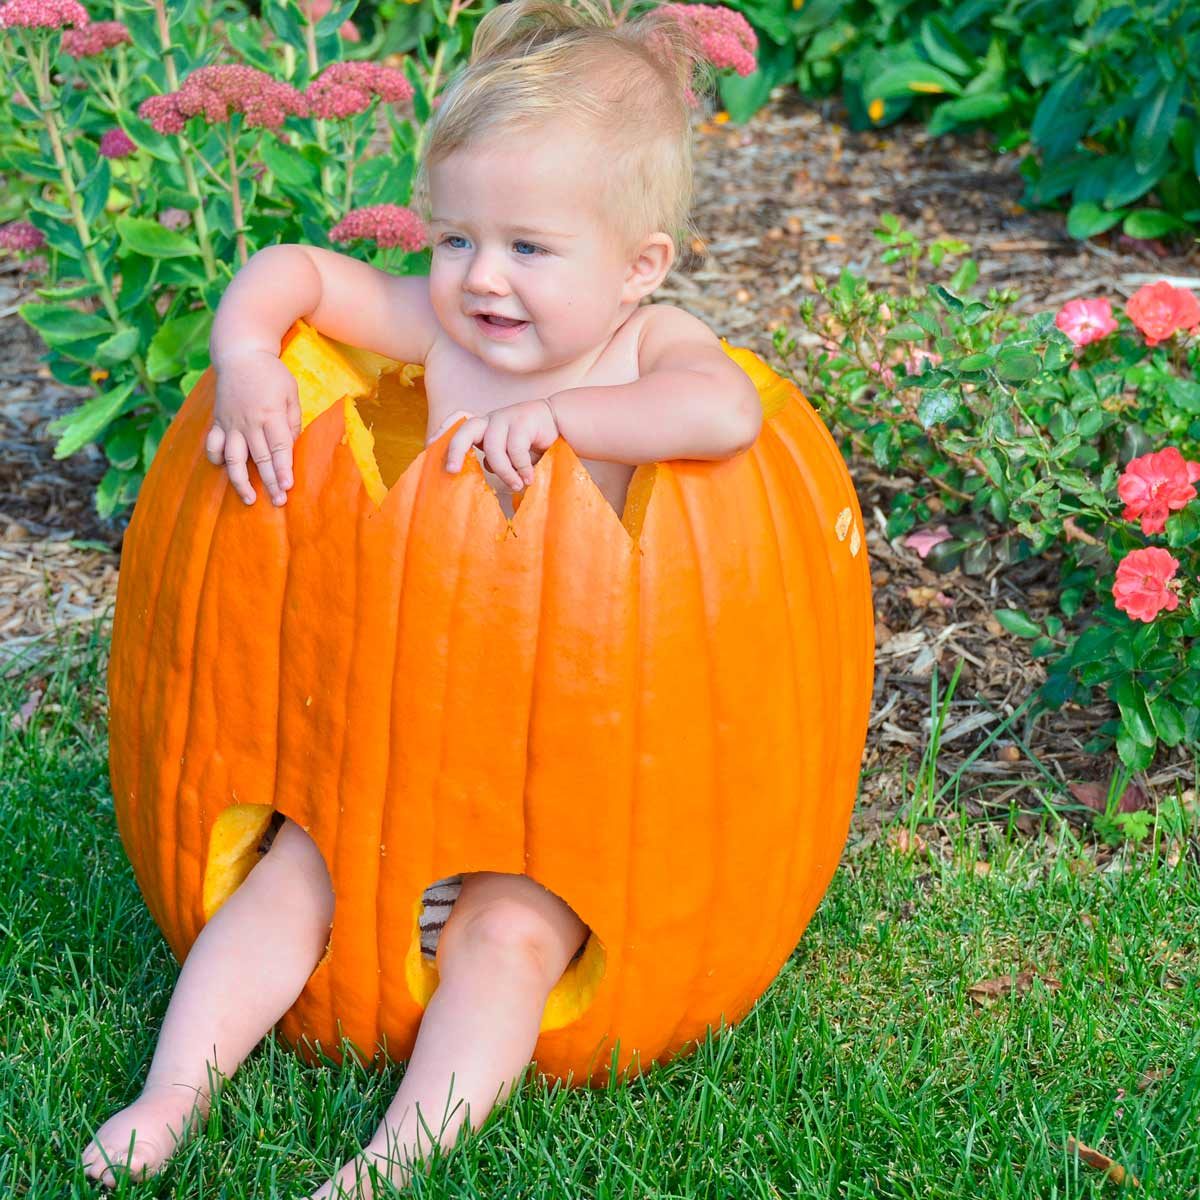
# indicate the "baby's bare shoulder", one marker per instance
pixel 671 337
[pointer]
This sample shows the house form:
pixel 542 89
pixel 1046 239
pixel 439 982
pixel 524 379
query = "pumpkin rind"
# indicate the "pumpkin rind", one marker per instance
pixel 660 718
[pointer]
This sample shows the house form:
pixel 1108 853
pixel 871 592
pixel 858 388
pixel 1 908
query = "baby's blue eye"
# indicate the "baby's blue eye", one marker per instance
pixel 452 237
pixel 536 249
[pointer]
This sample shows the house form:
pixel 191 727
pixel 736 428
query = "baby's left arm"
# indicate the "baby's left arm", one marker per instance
pixel 691 400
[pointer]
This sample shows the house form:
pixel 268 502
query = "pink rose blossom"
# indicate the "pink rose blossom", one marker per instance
pixel 346 88
pixel 95 38
pixel 1142 587
pixel 384 224
pixel 924 540
pixel 1085 321
pixel 116 143
pixel 725 36
pixel 42 14
pixel 21 235
pixel 1154 484
pixel 1160 309
pixel 214 93
pixel 885 373
pixel 914 363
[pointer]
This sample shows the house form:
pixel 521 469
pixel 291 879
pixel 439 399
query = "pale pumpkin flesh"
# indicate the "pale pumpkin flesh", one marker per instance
pixel 658 716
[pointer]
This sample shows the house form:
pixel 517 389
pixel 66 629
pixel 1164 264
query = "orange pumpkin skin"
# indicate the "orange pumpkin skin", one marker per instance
pixel 659 717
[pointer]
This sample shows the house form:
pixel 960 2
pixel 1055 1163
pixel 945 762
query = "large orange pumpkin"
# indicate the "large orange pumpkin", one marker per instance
pixel 660 717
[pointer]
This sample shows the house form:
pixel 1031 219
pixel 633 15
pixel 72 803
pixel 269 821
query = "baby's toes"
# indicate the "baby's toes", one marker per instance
pixel 150 1123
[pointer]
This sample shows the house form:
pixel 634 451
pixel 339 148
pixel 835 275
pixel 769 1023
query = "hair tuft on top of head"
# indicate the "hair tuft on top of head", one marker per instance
pixel 630 87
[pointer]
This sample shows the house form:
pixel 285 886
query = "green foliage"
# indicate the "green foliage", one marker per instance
pixel 1014 439
pixel 127 301
pixel 1103 93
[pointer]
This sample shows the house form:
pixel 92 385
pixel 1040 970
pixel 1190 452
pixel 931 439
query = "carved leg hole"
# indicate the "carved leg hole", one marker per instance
pixel 571 996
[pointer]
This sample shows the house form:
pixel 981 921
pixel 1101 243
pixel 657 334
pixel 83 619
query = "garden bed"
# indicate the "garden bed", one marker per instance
pixel 791 196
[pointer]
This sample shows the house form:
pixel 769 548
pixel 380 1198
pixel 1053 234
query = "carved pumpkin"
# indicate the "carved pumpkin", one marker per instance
pixel 660 717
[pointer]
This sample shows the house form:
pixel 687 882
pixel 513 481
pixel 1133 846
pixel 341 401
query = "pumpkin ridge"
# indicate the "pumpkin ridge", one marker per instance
pixel 712 790
pixel 132 577
pixel 392 979
pixel 756 456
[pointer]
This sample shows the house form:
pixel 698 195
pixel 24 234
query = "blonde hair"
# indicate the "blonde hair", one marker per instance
pixel 534 63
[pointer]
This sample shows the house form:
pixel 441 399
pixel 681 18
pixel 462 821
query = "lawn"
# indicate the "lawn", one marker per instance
pixel 964 1008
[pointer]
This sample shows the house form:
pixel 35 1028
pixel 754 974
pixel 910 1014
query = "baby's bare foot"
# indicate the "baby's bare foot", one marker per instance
pixel 157 1120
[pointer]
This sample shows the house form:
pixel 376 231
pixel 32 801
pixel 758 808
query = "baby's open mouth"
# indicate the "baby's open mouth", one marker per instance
pixel 499 327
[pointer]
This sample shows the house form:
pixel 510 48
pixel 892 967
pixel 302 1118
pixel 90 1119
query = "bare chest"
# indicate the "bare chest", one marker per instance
pixel 455 380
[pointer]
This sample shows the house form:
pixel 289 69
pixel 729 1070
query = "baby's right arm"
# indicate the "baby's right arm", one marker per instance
pixel 257 410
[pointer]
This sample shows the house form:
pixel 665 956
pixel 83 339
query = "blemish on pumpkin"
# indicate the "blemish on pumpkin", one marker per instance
pixel 855 541
pixel 568 1000
pixel 842 525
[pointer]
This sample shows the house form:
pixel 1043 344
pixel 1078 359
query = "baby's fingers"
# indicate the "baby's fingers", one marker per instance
pixel 279 443
pixel 235 465
pixel 468 434
pixel 214 445
pixel 260 451
pixel 433 437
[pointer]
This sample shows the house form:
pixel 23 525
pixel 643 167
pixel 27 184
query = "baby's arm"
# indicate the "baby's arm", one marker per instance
pixel 340 296
pixel 691 401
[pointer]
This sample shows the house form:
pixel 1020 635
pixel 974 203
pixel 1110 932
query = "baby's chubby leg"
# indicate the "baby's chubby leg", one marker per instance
pixel 506 944
pixel 246 968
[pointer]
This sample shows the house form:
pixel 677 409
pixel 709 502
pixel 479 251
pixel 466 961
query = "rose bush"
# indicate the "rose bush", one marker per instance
pixel 1073 433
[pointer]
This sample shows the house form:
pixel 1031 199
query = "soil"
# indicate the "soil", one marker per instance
pixel 792 195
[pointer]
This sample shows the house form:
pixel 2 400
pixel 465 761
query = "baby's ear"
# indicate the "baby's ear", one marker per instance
pixel 651 262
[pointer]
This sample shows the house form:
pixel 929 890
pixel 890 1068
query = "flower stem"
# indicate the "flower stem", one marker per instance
pixel 189 171
pixel 314 67
pixel 431 85
pixel 40 67
pixel 236 195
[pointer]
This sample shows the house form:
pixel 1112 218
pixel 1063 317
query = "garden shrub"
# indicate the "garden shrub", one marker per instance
pixel 1074 433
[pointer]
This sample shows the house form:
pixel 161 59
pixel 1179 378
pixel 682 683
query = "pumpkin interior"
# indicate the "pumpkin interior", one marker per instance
pixel 233 851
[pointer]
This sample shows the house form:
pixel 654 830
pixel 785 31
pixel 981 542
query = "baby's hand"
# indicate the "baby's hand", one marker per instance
pixel 257 410
pixel 512 440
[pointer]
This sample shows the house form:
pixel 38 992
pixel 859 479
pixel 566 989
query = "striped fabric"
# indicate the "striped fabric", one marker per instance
pixel 436 900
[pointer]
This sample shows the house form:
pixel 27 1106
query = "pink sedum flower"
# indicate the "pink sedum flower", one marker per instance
pixel 1085 321
pixel 21 235
pixel 383 224
pixel 344 89
pixel 42 14
pixel 1142 587
pixel 725 36
pixel 1154 484
pixel 1160 309
pixel 116 143
pixel 215 93
pixel 95 38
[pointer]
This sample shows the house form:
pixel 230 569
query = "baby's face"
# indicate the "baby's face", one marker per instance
pixel 515 233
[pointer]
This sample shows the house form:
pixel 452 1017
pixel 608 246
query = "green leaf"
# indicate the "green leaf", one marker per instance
pixel 61 325
pixel 909 78
pixel 289 166
pixel 1152 223
pixel 1087 218
pixel 117 349
pixel 85 423
pixel 1018 622
pixel 1134 754
pixel 147 237
pixel 124 445
pixel 1156 119
pixel 174 342
pixel 906 331
pixel 1131 700
pixel 1017 366
pixel 936 406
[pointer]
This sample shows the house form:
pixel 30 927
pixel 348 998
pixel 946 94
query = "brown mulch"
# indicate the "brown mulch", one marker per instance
pixel 791 196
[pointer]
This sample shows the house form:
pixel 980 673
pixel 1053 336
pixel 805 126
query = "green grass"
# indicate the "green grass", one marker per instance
pixel 867 1070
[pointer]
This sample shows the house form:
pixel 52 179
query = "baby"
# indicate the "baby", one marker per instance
pixel 556 180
